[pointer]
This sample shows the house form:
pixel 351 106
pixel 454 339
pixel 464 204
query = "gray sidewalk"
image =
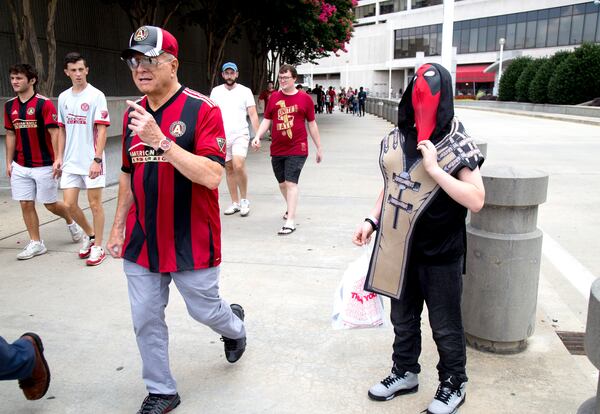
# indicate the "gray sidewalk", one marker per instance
pixel 294 361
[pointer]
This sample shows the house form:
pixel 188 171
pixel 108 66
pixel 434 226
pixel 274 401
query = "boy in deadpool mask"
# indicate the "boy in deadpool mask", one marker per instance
pixel 436 238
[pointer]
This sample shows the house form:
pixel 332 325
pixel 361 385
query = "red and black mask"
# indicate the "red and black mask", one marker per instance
pixel 427 106
pixel 426 100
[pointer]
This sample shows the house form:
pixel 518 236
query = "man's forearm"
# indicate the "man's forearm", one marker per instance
pixel 124 202
pixel 54 139
pixel 62 138
pixel 264 126
pixel 314 134
pixel 198 169
pixel 101 140
pixel 10 146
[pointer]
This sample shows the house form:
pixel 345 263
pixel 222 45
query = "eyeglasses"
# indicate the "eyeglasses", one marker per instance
pixel 145 62
pixel 284 78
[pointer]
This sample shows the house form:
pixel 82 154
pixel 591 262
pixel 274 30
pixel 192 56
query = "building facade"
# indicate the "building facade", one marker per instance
pixel 392 37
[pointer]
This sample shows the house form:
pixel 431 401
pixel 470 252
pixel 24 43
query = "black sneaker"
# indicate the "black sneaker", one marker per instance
pixel 159 404
pixel 234 348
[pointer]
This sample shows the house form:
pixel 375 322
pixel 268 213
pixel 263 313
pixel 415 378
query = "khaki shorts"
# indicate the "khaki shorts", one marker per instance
pixel 33 184
pixel 237 144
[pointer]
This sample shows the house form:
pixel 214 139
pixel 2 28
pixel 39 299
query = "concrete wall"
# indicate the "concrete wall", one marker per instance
pixel 100 32
pixel 590 111
pixel 116 108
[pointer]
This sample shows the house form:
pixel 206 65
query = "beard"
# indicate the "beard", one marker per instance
pixel 229 81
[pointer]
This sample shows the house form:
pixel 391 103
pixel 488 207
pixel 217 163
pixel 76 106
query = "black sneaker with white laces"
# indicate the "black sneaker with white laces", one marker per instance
pixel 159 404
pixel 397 383
pixel 234 348
pixel 448 398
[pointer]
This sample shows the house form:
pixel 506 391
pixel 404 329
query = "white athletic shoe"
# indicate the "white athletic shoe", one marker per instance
pixel 447 398
pixel 86 247
pixel 244 207
pixel 76 232
pixel 34 248
pixel 397 383
pixel 97 256
pixel 232 209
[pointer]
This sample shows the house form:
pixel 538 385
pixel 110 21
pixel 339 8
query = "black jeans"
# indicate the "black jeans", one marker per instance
pixel 440 287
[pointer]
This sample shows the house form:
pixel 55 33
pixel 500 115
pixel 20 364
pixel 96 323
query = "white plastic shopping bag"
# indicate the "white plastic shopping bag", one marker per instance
pixel 354 307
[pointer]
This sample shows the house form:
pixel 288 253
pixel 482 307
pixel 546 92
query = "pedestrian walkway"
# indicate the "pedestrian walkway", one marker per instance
pixel 294 361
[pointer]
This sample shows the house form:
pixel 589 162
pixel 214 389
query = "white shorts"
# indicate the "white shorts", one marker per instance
pixel 29 184
pixel 70 180
pixel 237 144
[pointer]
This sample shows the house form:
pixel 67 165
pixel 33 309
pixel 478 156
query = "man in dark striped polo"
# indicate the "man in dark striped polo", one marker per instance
pixel 31 125
pixel 167 224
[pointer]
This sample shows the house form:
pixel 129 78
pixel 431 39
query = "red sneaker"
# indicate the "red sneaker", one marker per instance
pixel 97 256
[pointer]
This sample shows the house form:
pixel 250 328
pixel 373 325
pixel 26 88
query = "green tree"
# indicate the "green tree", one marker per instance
pixel 145 12
pixel 508 82
pixel 524 81
pixel 576 78
pixel 297 31
pixel 23 20
pixel 538 90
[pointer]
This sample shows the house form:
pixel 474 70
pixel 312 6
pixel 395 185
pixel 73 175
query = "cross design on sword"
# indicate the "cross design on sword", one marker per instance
pixel 404 182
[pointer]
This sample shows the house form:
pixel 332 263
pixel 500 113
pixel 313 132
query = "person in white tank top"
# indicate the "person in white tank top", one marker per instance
pixel 83 118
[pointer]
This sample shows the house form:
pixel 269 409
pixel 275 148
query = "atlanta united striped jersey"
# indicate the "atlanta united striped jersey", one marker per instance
pixel 30 121
pixel 174 224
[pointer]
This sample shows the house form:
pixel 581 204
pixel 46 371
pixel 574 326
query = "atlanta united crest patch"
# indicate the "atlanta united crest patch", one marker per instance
pixel 221 144
pixel 141 34
pixel 177 129
pixel 30 111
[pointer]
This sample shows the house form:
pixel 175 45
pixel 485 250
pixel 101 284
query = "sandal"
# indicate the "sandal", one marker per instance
pixel 286 230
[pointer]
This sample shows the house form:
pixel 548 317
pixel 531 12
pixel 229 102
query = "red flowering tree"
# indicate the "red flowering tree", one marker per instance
pixel 298 31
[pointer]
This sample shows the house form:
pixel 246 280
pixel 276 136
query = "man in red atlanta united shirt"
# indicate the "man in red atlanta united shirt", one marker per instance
pixel 167 224
pixel 31 125
pixel 289 109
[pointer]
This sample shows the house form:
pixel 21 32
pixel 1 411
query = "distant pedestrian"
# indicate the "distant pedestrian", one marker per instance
pixel 167 225
pixel 350 100
pixel 320 99
pixel 355 103
pixel 288 111
pixel 362 99
pixel 236 101
pixel 24 360
pixel 31 125
pixel 83 118
pixel 330 99
pixel 266 94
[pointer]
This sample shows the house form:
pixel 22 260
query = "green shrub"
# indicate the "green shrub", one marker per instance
pixel 538 90
pixel 527 75
pixel 576 79
pixel 508 81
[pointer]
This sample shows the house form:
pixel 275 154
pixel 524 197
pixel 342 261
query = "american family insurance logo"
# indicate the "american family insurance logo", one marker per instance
pixel 142 152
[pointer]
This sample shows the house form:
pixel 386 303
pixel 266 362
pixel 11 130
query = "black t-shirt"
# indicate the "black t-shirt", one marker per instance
pixel 440 234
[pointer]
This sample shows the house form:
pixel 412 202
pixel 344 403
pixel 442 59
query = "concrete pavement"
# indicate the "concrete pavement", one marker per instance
pixel 295 362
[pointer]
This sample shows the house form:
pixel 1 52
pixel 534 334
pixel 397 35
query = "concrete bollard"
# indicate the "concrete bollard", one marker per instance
pixel 504 248
pixel 387 107
pixel 592 346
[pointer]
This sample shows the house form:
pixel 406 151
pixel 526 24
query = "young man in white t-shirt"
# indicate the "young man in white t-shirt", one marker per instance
pixel 83 118
pixel 235 101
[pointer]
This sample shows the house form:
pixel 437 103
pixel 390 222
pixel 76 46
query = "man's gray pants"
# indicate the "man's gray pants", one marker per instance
pixel 149 296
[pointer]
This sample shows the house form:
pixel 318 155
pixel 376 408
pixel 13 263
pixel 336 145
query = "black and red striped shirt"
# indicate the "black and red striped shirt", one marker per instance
pixel 174 224
pixel 30 121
